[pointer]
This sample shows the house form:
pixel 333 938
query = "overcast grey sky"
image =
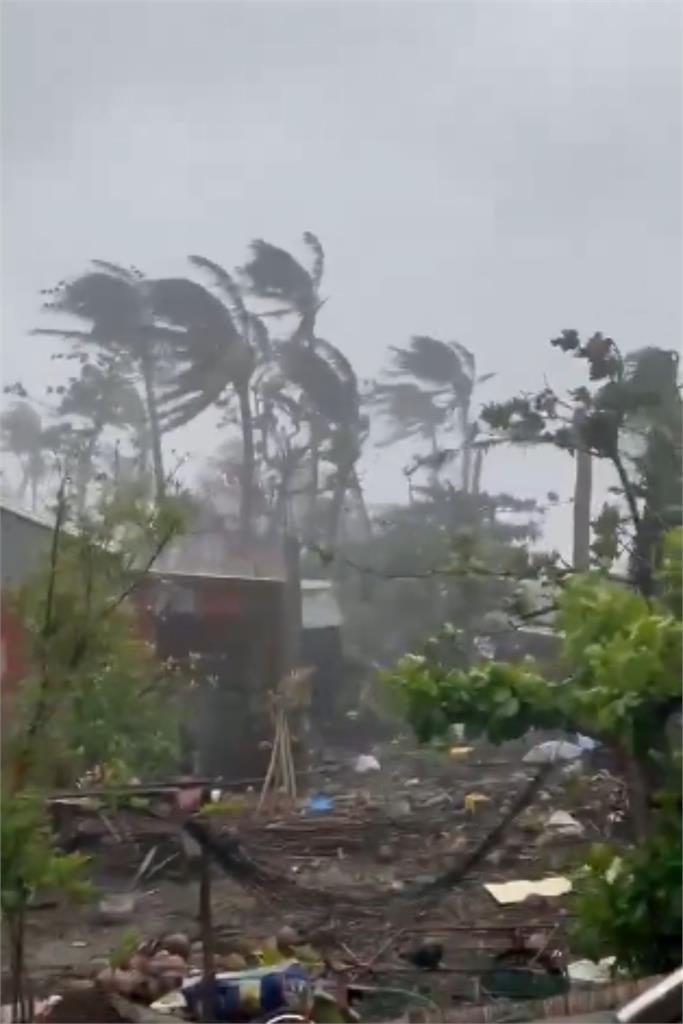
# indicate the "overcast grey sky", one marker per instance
pixel 491 172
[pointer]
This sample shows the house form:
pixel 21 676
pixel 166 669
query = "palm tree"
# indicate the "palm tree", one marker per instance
pixel 583 497
pixel 653 409
pixel 217 345
pixel 273 274
pixel 24 434
pixel 105 397
pixel 329 397
pixel 116 303
pixel 436 382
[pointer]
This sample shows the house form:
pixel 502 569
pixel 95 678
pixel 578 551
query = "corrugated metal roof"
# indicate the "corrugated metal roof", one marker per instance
pixel 22 513
pixel 319 606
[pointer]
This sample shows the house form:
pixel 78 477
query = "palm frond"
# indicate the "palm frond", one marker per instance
pixel 273 273
pixel 258 337
pixel 114 305
pixel 184 304
pixel 326 378
pixel 427 359
pixel 318 268
pixel 124 273
pixel 22 429
pixel 65 334
pixel 408 406
pixel 228 286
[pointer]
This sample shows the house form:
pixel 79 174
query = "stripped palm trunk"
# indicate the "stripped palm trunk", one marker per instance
pixel 248 463
pixel 147 366
pixel 583 488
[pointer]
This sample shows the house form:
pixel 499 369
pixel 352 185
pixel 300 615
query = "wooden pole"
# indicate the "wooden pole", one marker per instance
pixel 206 931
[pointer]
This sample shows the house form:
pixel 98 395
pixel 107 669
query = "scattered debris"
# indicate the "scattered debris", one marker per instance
pixel 587 972
pixel 564 824
pixel 427 956
pixel 474 800
pixel 115 908
pixel 552 751
pixel 367 763
pixel 458 753
pixel 517 891
pixel 320 804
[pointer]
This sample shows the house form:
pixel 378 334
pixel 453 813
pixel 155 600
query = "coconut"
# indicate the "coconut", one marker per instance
pixel 286 938
pixel 105 979
pixel 177 943
pixel 167 963
pixel 234 962
pixel 139 962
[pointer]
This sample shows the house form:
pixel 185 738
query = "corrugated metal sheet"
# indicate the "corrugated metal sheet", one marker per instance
pixel 319 605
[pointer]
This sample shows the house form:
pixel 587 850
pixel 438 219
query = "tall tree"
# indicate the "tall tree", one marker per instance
pixel 631 418
pixel 436 382
pixel 329 395
pixel 24 434
pixel 102 396
pixel 273 274
pixel 115 301
pixel 217 345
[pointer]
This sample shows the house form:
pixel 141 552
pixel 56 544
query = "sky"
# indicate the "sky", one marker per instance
pixel 490 172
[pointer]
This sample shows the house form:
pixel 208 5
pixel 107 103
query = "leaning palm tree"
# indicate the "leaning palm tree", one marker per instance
pixel 102 396
pixel 328 395
pixel 274 275
pixel 24 435
pixel 217 345
pixel 436 382
pixel 115 302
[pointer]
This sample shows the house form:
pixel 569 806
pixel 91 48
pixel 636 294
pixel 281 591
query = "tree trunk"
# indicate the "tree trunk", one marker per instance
pixel 583 489
pixel 360 497
pixel 154 428
pixel 476 471
pixel 466 448
pixel 341 484
pixel 248 463
pixel 313 484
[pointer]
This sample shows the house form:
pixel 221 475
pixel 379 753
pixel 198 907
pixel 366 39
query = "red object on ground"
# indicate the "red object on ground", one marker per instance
pixel 13 667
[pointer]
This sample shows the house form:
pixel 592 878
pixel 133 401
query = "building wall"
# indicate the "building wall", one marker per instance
pixel 24 541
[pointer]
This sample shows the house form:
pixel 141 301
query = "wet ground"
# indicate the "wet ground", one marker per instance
pixel 385 834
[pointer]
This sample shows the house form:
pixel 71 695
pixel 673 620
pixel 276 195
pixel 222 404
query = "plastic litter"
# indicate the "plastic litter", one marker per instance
pixel 552 750
pixel 517 891
pixel 320 804
pixel 564 824
pixel 367 763
pixel 474 800
pixel 252 993
pixel 587 972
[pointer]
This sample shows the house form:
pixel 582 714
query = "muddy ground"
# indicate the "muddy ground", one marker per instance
pixel 386 835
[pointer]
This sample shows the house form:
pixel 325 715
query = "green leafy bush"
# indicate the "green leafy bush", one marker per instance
pixel 623 662
pixel 629 906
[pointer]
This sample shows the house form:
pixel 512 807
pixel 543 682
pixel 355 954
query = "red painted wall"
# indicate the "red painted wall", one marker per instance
pixel 12 651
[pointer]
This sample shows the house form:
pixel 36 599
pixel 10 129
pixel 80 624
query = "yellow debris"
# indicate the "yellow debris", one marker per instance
pixel 457 752
pixel 473 800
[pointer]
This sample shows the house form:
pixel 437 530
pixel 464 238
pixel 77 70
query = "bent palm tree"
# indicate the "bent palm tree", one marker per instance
pixel 436 381
pixel 104 397
pixel 217 345
pixel 273 274
pixel 115 301
pixel 329 397
pixel 24 434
